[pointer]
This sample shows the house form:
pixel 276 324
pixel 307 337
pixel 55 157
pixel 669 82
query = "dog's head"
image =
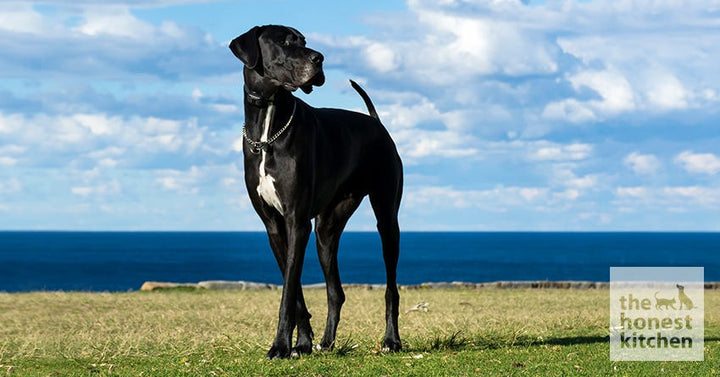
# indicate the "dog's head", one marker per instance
pixel 679 287
pixel 278 54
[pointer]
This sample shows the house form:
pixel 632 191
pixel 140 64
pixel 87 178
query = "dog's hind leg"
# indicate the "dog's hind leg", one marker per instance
pixel 385 203
pixel 328 228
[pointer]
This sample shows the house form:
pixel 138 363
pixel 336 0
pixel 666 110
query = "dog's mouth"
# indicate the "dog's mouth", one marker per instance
pixel 318 79
pixel 290 87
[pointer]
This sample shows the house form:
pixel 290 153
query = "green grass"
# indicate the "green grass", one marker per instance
pixel 210 333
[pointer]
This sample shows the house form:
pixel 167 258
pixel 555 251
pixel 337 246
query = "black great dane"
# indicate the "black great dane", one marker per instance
pixel 304 163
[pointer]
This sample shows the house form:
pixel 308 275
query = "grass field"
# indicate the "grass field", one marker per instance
pixel 215 333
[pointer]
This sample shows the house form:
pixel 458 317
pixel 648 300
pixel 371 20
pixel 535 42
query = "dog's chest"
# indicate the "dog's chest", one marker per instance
pixel 266 183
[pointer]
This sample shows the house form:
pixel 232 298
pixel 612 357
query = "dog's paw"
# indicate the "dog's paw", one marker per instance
pixel 324 346
pixel 278 352
pixel 304 349
pixel 391 345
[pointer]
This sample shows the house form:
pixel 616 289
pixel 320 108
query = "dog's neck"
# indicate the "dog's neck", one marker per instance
pixel 259 90
pixel 260 94
pixel 257 99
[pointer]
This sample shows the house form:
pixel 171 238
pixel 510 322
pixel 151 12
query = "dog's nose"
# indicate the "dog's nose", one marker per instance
pixel 316 58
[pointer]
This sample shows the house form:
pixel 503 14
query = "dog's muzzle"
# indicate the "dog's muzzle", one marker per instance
pixel 315 74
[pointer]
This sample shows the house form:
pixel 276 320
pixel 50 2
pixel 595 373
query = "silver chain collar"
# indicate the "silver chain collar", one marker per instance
pixel 264 146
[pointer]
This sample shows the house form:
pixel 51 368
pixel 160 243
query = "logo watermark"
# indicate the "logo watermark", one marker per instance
pixel 657 314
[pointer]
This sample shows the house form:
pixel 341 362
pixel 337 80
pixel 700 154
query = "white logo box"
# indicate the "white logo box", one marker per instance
pixel 657 314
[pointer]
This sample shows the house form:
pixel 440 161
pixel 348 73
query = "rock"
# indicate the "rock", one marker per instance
pixel 220 285
pixel 367 287
pixel 149 286
pixel 246 285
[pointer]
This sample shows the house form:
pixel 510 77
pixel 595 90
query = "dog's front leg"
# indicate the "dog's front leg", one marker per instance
pixel 277 233
pixel 298 234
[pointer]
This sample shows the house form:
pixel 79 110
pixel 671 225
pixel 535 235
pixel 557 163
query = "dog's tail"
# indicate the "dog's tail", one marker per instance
pixel 366 98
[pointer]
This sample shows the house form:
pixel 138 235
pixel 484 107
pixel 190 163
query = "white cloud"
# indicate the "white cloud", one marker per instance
pixel 530 194
pixel 10 148
pixel 133 3
pixel 548 151
pixel 570 109
pixel 703 195
pixel 676 198
pixel 18 17
pixel 403 115
pixel 541 154
pixel 181 181
pixel 569 194
pixel 10 186
pixel 585 182
pixel 98 124
pixel 195 179
pixel 568 186
pixel 446 48
pixel 105 139
pixel 642 163
pixel 496 200
pixel 92 40
pixel 104 189
pixel 422 199
pixel 381 57
pixel 666 92
pixel 701 163
pixel 473 44
pixel 418 144
pixel 7 161
pixel 197 94
pixel 631 192
pixel 616 96
pixel 225 108
pixel 110 152
pixel 603 66
pixel 237 145
pixel 613 87
pixel 666 67
pixel 114 21
pixel 405 119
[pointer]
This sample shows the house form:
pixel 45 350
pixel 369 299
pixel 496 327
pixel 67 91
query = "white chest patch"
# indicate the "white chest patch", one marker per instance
pixel 266 184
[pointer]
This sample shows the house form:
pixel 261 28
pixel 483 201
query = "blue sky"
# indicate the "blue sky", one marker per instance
pixel 509 115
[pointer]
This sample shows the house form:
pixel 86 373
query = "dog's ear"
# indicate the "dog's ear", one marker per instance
pixel 246 47
pixel 318 80
pixel 297 33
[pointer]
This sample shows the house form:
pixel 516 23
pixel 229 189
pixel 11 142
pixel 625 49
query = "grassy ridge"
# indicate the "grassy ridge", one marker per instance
pixel 214 333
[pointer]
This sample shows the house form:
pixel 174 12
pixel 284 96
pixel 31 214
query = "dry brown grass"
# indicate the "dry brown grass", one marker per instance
pixel 129 324
pixel 214 331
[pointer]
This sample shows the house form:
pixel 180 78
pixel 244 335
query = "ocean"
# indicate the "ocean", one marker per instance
pixel 122 261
